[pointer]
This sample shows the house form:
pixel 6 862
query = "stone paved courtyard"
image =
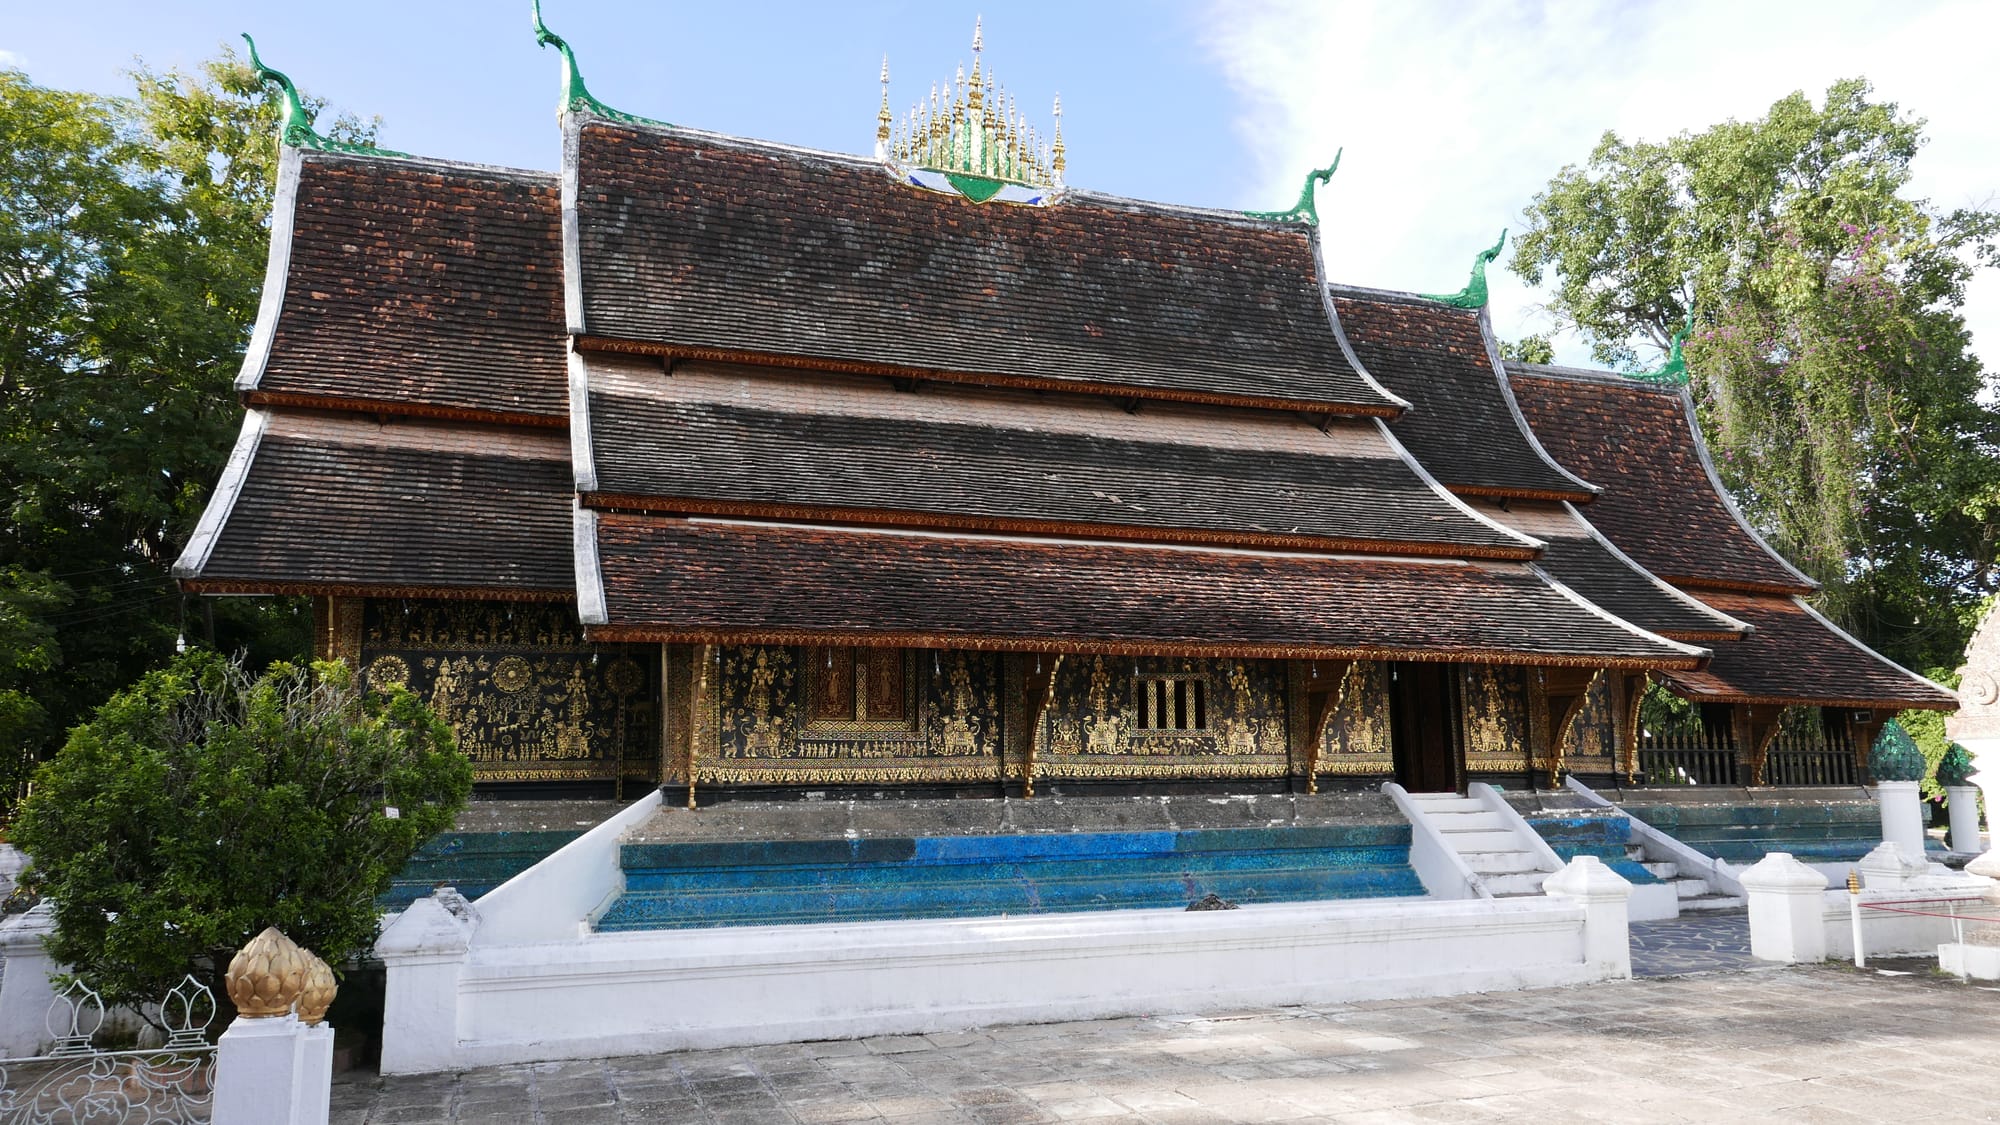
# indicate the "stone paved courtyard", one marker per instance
pixel 1826 1043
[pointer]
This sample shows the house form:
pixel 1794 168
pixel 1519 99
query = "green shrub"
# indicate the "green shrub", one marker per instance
pixel 204 804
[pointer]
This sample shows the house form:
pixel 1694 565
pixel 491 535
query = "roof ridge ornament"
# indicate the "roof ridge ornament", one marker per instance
pixel 295 123
pixel 1673 373
pixel 1306 209
pixel 973 140
pixel 576 97
pixel 1473 296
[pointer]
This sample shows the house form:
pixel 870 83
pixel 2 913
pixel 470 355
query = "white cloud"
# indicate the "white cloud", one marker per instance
pixel 1453 114
pixel 12 60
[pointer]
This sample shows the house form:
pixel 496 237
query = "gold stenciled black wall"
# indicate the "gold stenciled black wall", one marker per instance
pixel 1498 718
pixel 757 728
pixel 1357 739
pixel 1591 745
pixel 528 697
pixel 1092 726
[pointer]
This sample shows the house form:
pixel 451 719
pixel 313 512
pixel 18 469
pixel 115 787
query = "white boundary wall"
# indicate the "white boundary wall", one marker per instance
pixel 477 984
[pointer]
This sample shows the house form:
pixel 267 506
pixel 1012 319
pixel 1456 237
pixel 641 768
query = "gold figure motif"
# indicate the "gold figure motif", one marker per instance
pixel 1495 723
pixel 527 696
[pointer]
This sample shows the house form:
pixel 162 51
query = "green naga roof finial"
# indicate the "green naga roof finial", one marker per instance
pixel 575 95
pixel 1304 211
pixel 295 125
pixel 1473 296
pixel 1674 372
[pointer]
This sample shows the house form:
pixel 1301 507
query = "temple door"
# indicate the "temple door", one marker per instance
pixel 1423 702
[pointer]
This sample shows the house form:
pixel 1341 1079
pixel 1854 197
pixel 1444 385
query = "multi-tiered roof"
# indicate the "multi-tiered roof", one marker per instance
pixel 721 390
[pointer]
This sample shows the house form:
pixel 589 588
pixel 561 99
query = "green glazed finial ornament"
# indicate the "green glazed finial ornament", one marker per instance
pixel 1955 768
pixel 1894 757
pixel 1473 296
pixel 1675 371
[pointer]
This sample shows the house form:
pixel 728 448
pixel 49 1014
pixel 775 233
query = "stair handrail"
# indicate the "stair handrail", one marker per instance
pixel 1715 872
pixel 1430 851
pixel 1544 855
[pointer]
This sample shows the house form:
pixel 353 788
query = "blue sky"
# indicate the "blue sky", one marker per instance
pixel 1452 113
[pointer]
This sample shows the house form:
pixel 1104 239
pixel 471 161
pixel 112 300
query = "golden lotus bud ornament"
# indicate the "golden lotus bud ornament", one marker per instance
pixel 267 975
pixel 319 990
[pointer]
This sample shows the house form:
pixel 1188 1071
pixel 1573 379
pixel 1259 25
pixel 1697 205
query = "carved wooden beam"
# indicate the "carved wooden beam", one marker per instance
pixel 1040 688
pixel 704 684
pixel 1761 723
pixel 1322 702
pixel 1628 722
pixel 1564 690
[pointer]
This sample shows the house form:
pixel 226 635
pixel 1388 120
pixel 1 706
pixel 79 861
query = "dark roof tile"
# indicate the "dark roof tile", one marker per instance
pixel 672 579
pixel 1796 657
pixel 706 245
pixel 1461 424
pixel 422 287
pixel 1659 504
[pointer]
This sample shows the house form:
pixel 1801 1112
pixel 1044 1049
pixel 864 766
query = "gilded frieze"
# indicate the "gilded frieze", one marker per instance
pixel 779 719
pixel 1496 718
pixel 1234 727
pixel 1357 739
pixel 527 696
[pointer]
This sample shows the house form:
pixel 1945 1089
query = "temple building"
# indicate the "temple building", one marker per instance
pixel 737 469
pixel 999 570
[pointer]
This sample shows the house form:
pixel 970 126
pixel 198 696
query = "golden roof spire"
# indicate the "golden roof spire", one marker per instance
pixel 1059 163
pixel 972 132
pixel 884 118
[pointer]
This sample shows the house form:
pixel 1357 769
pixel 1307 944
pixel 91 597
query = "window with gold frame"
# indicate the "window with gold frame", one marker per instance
pixel 1171 704
pixel 859 691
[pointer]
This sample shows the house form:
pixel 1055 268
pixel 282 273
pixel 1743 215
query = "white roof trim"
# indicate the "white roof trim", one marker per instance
pixel 590 608
pixel 277 269
pixel 1856 642
pixel 582 453
pixel 1728 501
pixel 572 231
pixel 1514 407
pixel 1444 493
pixel 1592 607
pixel 1339 335
pixel 222 501
pixel 1662 584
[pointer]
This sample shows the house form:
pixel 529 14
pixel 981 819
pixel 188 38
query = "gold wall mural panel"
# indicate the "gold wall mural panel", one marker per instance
pixel 1497 718
pixel 528 697
pixel 1592 743
pixel 1357 740
pixel 1092 728
pixel 760 730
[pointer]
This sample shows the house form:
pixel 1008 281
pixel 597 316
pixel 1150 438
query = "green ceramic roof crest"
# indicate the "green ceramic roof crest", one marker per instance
pixel 1674 372
pixel 1955 768
pixel 1894 756
pixel 576 97
pixel 1306 209
pixel 295 125
pixel 1473 296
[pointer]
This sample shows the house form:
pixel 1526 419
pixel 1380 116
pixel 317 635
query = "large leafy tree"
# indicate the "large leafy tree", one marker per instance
pixel 205 804
pixel 1829 360
pixel 132 240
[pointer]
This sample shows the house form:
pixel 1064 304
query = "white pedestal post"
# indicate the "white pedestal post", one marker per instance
pixel 1787 902
pixel 271 1071
pixel 1962 803
pixel 1607 935
pixel 1902 807
pixel 25 992
pixel 424 950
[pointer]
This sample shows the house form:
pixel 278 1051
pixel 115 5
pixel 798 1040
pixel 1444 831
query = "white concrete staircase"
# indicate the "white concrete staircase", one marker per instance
pixel 1693 891
pixel 1509 864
